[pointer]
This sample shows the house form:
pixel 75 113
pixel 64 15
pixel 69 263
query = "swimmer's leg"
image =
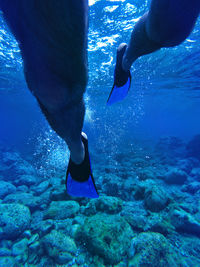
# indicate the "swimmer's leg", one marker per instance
pixel 67 122
pixel 52 36
pixel 167 24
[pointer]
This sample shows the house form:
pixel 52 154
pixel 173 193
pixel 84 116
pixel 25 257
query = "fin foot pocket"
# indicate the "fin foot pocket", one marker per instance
pixel 122 79
pixel 79 178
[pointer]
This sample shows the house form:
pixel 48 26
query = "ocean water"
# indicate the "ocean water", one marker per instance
pixel 145 154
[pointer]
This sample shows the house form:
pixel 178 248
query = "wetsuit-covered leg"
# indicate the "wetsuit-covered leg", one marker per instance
pixel 52 37
pixel 166 24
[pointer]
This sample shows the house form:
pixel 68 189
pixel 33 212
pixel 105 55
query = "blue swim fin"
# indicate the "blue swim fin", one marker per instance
pixel 79 178
pixel 122 79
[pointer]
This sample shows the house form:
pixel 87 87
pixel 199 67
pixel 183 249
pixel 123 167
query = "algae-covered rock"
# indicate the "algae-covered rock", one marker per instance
pixel 42 187
pixel 14 220
pixel 193 147
pixel 184 222
pixel 175 176
pixel 6 188
pixel 59 193
pixel 27 199
pixel 26 179
pixel 191 188
pixel 151 249
pixel 111 187
pixel 106 236
pixel 156 199
pixel 135 214
pixel 185 165
pixel 109 204
pixel 195 173
pixel 20 250
pixel 4 252
pixel 59 247
pixel 145 174
pixel 7 261
pixel 62 210
pixel 139 192
pixel 169 143
pixel 105 204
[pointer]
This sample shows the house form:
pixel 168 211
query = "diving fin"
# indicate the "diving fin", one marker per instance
pixel 122 79
pixel 79 178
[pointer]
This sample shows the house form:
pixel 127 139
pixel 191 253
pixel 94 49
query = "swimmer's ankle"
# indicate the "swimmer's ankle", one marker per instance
pixel 77 153
pixel 128 60
pixel 125 64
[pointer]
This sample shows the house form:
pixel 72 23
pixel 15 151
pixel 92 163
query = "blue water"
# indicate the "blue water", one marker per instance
pixel 164 96
pixel 164 99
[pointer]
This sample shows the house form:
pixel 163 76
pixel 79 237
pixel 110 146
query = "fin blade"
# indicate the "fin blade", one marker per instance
pixel 119 93
pixel 81 189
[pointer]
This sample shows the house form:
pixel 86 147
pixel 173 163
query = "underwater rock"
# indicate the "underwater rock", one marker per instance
pixel 184 222
pixel 14 220
pixel 10 158
pixel 25 179
pixel 111 185
pixel 106 236
pixel 64 226
pixel 175 176
pixel 44 227
pixel 156 199
pixel 158 222
pixel 7 261
pixel 81 259
pixel 20 250
pixel 193 147
pixel 40 226
pixel 60 210
pixel 5 243
pixel 105 204
pixel 33 239
pixel 35 252
pixel 139 162
pixel 129 184
pixel 160 226
pixel 6 188
pixel 59 193
pixel 41 188
pixel 19 168
pixel 146 174
pixel 22 188
pixel 139 192
pixel 59 247
pixel 89 209
pixel 195 173
pixel 45 199
pixel 191 188
pixel 27 199
pixel 185 165
pixel 4 252
pixel 169 143
pixel 137 221
pixel 109 204
pixel 152 249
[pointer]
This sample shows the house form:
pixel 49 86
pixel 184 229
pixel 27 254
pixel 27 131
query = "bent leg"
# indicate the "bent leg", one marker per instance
pixel 67 121
pixel 167 24
pixel 52 36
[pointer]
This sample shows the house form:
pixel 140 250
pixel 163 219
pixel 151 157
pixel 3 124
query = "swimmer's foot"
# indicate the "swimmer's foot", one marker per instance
pixel 122 79
pixel 79 178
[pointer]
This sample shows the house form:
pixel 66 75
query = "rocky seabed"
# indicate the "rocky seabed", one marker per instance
pixel 148 213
